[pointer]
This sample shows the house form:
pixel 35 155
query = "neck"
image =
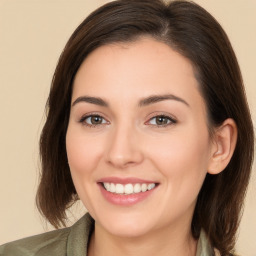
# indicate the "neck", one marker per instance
pixel 169 241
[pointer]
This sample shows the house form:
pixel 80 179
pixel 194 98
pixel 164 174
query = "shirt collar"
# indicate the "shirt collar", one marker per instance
pixel 203 246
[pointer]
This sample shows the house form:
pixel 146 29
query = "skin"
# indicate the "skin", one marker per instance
pixel 129 142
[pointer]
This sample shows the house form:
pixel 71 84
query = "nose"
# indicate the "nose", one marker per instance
pixel 124 148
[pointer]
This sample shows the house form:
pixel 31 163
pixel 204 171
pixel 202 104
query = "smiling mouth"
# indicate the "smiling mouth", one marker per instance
pixel 128 189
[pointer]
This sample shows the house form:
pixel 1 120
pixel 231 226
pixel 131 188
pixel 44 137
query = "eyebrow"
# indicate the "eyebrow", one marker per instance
pixel 157 98
pixel 93 100
pixel 142 103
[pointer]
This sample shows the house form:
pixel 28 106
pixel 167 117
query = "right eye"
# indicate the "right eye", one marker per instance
pixel 93 120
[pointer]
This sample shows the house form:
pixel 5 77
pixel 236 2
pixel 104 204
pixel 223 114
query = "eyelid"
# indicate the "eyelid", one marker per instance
pixel 173 120
pixel 87 115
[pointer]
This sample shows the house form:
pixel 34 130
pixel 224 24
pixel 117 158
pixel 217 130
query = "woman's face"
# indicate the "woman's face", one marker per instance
pixel 138 122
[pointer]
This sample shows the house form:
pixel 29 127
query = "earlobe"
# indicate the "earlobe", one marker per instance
pixel 224 143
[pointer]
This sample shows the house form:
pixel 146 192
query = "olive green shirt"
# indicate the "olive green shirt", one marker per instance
pixel 70 241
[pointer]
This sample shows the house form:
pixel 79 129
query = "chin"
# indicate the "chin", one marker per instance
pixel 131 230
pixel 126 225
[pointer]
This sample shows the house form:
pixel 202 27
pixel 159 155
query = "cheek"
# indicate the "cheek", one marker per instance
pixel 181 149
pixel 83 156
pixel 183 160
pixel 83 152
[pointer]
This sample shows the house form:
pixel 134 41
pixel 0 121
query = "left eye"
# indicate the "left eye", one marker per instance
pixel 94 120
pixel 161 120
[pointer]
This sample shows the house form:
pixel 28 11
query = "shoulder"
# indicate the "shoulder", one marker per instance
pixel 68 241
pixel 54 241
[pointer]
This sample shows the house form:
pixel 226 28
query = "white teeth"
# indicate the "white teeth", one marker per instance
pixel 144 187
pixel 150 186
pixel 107 186
pixel 119 189
pixel 128 188
pixel 137 188
pixel 112 188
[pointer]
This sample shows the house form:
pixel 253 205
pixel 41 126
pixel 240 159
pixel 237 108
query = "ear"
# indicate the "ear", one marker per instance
pixel 224 143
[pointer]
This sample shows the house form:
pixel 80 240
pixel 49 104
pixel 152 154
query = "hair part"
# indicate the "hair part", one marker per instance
pixel 190 30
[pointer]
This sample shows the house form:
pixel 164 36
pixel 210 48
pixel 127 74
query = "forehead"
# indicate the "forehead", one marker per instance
pixel 145 59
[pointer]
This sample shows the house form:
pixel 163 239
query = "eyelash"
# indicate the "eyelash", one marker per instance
pixel 83 120
pixel 170 119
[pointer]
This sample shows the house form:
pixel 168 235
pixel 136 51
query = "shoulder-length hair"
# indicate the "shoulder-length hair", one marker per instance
pixel 194 33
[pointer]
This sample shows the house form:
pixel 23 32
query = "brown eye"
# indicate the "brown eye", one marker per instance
pixel 96 119
pixel 161 120
pixel 93 120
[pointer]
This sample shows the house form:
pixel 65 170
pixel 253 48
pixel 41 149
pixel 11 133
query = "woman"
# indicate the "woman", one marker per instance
pixel 148 125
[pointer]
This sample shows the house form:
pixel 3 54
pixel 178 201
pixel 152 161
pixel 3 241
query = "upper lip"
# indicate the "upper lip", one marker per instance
pixel 119 180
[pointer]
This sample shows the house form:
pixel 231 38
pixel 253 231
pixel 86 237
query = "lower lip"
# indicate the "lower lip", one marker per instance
pixel 125 200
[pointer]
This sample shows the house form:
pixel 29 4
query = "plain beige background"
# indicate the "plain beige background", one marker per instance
pixel 32 36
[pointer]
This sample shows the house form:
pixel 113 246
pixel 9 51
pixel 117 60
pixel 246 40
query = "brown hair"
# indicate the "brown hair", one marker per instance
pixel 194 33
